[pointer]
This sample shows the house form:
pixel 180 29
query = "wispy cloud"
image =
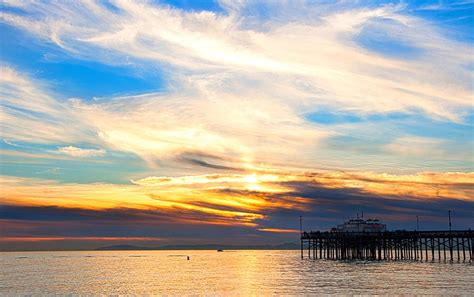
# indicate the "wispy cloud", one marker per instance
pixel 278 230
pixel 228 140
pixel 416 146
pixel 322 53
pixel 242 86
pixel 30 113
pixel 81 152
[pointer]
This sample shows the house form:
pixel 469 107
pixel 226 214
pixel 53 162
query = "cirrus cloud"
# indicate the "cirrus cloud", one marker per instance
pixel 239 86
pixel 315 61
pixel 81 152
pixel 254 106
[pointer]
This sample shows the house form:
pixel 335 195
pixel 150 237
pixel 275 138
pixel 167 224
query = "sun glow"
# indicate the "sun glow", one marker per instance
pixel 152 117
pixel 242 198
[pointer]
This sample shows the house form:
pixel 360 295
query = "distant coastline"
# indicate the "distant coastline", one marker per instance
pixel 126 247
pixel 284 246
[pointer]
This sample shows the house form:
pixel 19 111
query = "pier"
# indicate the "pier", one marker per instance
pixel 456 245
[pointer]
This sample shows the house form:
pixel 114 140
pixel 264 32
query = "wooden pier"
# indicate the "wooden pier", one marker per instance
pixel 390 245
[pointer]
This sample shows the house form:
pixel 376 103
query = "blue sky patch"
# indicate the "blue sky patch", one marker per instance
pixel 71 77
pixel 374 38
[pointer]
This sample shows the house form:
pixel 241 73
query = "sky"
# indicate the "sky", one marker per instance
pixel 194 122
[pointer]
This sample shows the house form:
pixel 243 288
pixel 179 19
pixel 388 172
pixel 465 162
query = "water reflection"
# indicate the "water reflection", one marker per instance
pixel 237 273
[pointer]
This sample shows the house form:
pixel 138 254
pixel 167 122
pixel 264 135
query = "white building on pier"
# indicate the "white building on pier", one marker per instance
pixel 361 225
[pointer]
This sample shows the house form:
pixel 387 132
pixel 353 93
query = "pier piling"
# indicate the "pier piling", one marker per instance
pixel 389 245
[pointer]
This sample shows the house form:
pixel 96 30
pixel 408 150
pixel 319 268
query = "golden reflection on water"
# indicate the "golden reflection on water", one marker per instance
pixel 230 273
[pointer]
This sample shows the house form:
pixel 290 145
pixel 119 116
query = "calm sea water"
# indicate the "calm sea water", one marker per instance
pixel 228 273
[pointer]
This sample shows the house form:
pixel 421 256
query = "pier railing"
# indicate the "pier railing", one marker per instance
pixel 390 245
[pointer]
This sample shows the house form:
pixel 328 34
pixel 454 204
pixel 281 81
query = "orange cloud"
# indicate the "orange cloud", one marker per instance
pixel 80 238
pixel 427 185
pixel 277 230
pixel 236 199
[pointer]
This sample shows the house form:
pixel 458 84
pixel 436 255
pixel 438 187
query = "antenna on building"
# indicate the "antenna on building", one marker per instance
pixel 362 214
pixel 449 214
pixel 357 215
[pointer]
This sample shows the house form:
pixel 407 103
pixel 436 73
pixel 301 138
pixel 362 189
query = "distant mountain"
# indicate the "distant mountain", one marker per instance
pixel 121 247
pixel 284 246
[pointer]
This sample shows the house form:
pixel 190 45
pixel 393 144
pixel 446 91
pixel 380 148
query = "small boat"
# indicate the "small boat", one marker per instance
pixel 220 250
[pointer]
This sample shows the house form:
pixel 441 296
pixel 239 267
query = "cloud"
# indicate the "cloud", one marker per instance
pixel 309 59
pixel 277 230
pixel 240 199
pixel 11 143
pixel 416 146
pixel 197 209
pixel 75 238
pixel 239 85
pixel 80 152
pixel 48 156
pixel 157 126
pixel 27 103
pixel 228 141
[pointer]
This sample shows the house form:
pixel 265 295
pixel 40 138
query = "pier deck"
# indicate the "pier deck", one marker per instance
pixel 390 245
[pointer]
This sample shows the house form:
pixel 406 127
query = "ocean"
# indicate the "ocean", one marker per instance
pixel 239 273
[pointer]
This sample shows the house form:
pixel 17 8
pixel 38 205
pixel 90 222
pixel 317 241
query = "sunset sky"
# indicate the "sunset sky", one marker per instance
pixel 193 122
